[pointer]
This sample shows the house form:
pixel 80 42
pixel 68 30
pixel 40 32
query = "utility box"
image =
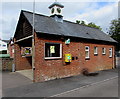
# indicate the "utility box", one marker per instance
pixel 68 57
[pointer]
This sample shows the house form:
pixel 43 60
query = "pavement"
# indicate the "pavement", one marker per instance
pixel 16 85
pixel 27 73
pixel 13 80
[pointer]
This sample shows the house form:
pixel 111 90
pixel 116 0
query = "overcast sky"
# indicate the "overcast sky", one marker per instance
pixel 101 13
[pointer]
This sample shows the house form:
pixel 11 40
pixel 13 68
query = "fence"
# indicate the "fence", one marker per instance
pixel 117 54
pixel 118 62
pixel 118 59
pixel 6 64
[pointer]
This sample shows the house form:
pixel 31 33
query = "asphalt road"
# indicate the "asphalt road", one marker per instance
pixel 107 88
pixel 17 85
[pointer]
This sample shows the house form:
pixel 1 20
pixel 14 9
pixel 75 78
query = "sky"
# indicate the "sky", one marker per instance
pixel 100 13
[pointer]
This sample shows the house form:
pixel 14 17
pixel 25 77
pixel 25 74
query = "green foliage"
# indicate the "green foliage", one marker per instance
pixel 83 22
pixel 91 24
pixel 114 31
pixel 77 21
pixel 94 25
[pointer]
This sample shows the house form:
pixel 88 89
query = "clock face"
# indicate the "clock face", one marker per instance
pixel 52 11
pixel 58 10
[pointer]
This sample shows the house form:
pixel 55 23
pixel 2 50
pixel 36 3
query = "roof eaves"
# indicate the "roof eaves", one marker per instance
pixel 49 33
pixel 77 37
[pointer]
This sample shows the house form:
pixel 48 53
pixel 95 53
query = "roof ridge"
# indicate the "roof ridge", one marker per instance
pixel 35 13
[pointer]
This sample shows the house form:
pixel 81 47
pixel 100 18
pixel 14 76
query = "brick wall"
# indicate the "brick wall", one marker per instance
pixel 57 68
pixel 10 50
pixel 21 63
pixel 6 64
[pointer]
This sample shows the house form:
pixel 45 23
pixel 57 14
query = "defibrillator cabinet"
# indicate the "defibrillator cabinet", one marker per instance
pixel 68 57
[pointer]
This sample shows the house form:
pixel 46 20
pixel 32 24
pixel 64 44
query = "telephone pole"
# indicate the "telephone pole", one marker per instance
pixel 33 41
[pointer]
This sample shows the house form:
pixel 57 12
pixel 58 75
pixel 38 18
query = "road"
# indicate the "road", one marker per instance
pixel 107 88
pixel 17 85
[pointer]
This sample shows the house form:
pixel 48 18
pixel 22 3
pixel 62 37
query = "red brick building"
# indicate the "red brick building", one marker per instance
pixel 62 48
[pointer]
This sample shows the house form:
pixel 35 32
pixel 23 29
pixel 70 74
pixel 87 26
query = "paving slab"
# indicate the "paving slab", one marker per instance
pixel 27 73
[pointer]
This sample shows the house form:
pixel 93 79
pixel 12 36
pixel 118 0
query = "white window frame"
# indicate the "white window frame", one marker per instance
pixel 53 57
pixel 95 50
pixel 87 50
pixel 110 52
pixel 104 51
pixel 13 51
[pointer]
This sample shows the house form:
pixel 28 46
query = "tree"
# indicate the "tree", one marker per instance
pixel 77 21
pixel 83 22
pixel 91 24
pixel 80 22
pixel 114 31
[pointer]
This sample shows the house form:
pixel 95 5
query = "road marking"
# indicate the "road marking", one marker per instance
pixel 85 86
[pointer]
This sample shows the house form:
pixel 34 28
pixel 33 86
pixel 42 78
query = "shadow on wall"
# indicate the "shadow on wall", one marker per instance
pixel 30 60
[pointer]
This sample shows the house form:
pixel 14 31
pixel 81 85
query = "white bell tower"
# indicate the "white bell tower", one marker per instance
pixel 56 10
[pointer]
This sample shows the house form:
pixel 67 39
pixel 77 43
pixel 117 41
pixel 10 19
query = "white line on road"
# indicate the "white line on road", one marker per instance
pixel 84 86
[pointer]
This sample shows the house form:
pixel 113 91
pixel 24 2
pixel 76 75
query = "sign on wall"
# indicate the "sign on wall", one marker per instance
pixel 67 41
pixel 52 49
pixel 26 51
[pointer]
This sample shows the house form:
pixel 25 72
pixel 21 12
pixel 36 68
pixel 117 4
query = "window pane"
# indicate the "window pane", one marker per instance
pixel 103 50
pixel 110 52
pixel 86 54
pixel 86 48
pixel 52 50
pixel 95 50
pixel 4 45
pixel 86 51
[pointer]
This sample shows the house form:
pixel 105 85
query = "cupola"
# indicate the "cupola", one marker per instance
pixel 56 11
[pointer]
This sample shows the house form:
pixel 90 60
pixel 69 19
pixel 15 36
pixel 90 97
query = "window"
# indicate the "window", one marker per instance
pixel 13 51
pixel 53 50
pixel 103 51
pixel 87 52
pixel 4 45
pixel 110 52
pixel 95 50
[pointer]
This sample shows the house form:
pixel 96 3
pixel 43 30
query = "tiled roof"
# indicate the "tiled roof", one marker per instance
pixel 46 24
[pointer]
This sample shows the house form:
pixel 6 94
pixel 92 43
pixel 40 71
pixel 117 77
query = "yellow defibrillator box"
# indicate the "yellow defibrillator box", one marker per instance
pixel 68 57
